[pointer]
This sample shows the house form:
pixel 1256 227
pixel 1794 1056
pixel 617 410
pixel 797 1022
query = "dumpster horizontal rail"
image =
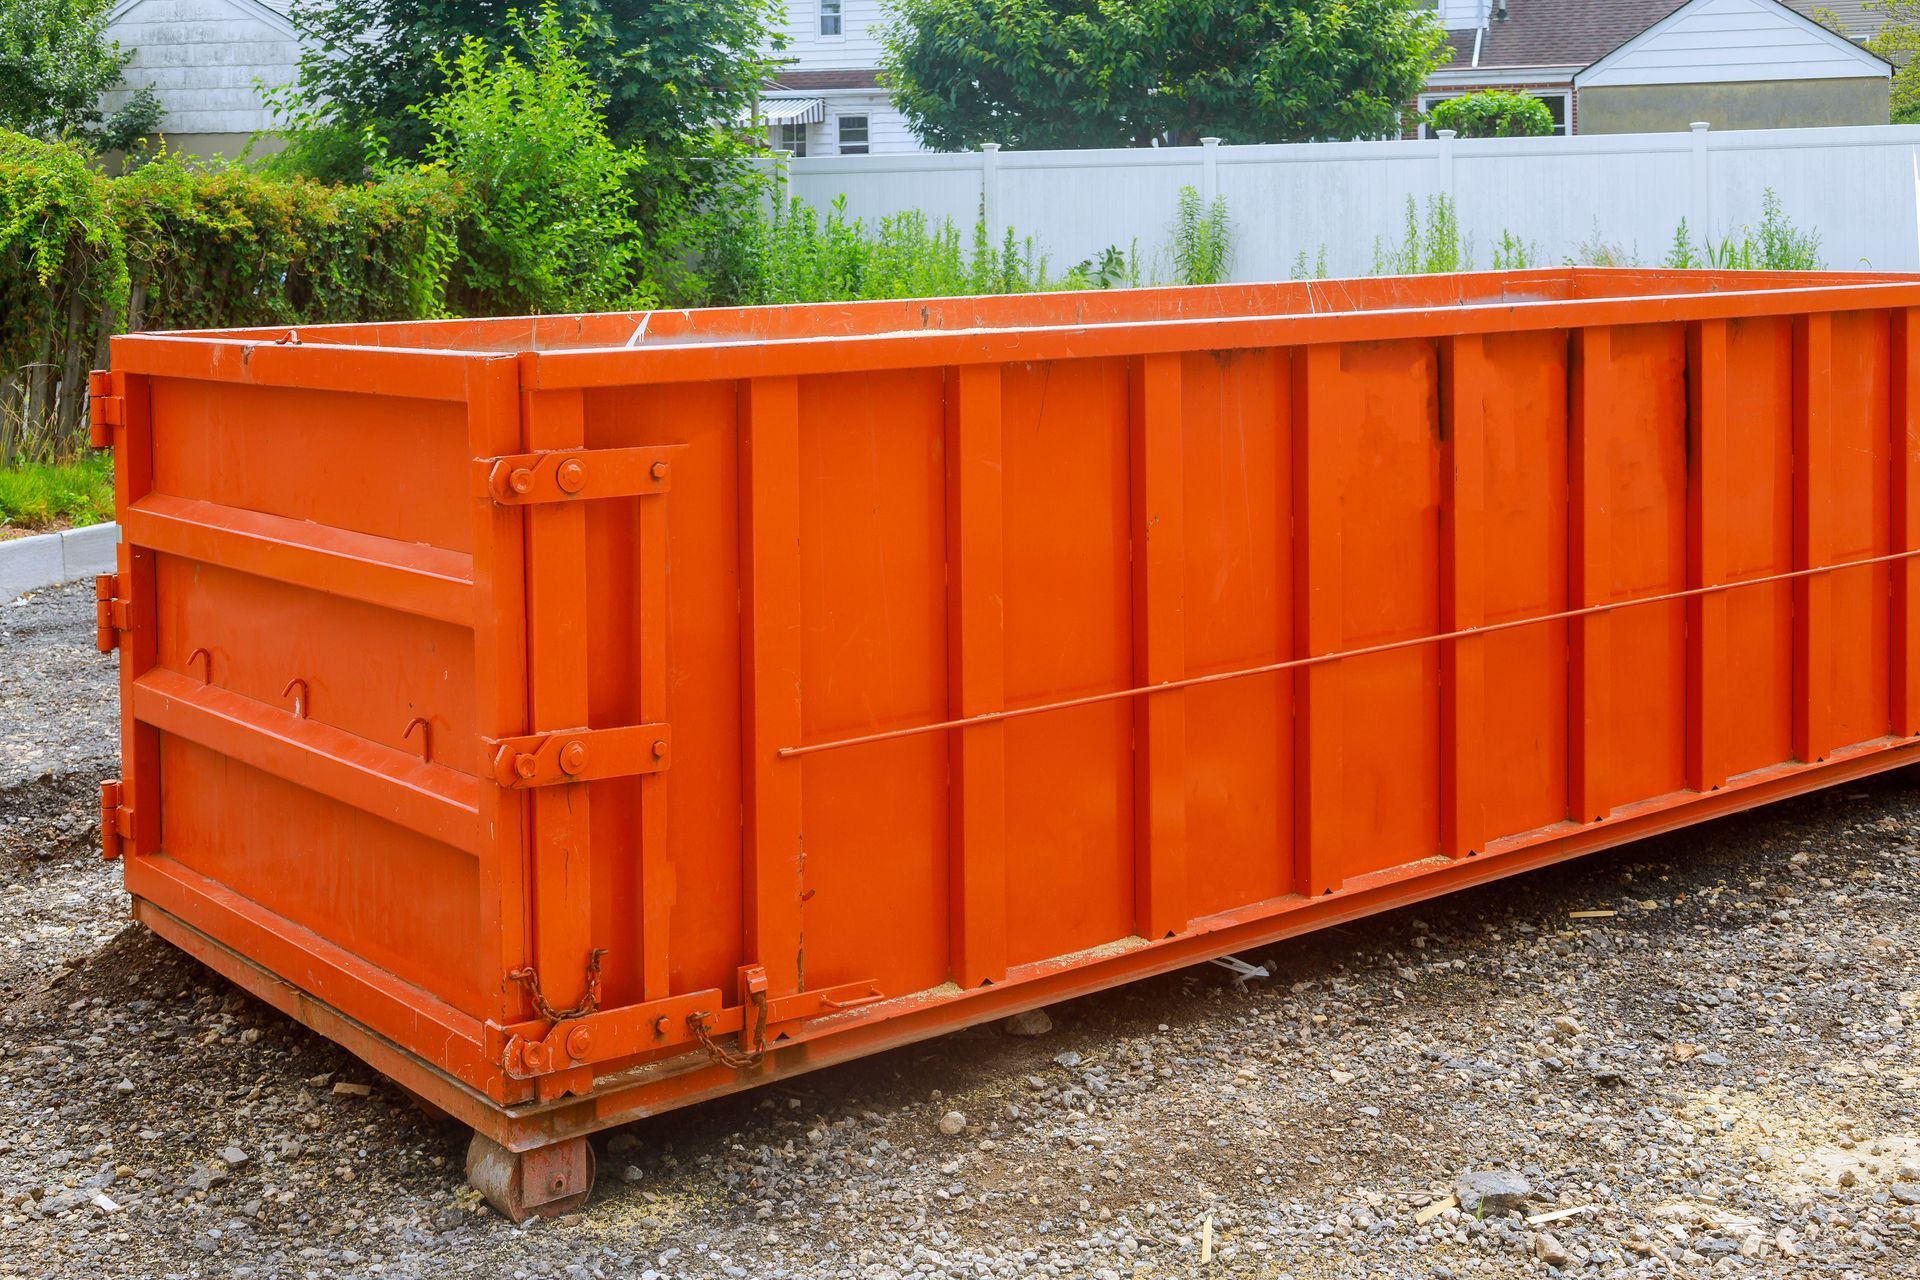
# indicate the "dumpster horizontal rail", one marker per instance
pixel 1317 659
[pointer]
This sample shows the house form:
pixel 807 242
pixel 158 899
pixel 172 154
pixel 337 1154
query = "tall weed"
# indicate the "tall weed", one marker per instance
pixel 1202 239
pixel 1427 246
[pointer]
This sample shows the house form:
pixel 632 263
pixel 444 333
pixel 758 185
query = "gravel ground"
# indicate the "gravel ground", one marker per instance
pixel 1720 1077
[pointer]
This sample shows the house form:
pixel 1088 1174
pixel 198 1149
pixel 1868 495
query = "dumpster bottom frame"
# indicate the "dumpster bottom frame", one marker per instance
pixel 635 1094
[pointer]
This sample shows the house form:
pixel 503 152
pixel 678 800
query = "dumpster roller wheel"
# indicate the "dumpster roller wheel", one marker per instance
pixel 543 1183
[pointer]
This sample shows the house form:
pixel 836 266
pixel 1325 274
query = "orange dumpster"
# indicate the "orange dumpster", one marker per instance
pixel 579 717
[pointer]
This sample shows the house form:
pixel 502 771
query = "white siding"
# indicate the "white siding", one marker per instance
pixel 1719 41
pixel 887 132
pixel 857 47
pixel 203 59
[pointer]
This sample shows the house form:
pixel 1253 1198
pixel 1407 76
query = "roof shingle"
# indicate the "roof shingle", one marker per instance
pixel 1557 33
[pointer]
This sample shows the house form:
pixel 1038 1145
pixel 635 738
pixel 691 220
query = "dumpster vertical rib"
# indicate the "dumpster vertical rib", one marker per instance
pixel 557 586
pixel 656 873
pixel 140 645
pixel 1463 597
pixel 1159 647
pixel 770 477
pixel 1905 427
pixel 976 672
pixel 1708 513
pixel 1319 772
pixel 1589 719
pixel 1812 536
pixel 499 675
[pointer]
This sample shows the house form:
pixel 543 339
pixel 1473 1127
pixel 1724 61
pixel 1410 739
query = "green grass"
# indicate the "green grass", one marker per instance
pixel 42 495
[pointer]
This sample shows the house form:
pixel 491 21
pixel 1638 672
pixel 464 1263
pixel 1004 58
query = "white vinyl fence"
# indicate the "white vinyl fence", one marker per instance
pixel 1857 187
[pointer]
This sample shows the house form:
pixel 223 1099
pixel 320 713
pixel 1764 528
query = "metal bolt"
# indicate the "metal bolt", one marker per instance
pixel 530 1056
pixel 658 471
pixel 572 476
pixel 659 748
pixel 660 1027
pixel 521 480
pixel 524 766
pixel 579 1042
pixel 573 756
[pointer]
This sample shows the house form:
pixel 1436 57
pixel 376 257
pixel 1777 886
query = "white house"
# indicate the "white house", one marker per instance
pixel 205 60
pixel 826 99
pixel 1650 66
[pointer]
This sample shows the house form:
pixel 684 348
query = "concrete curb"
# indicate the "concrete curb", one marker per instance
pixel 48 559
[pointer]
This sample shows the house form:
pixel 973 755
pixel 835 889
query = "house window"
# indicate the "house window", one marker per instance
pixel 853 135
pixel 830 17
pixel 793 137
pixel 1556 102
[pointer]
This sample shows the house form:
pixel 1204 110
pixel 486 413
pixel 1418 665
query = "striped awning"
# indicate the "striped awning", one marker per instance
pixel 785 110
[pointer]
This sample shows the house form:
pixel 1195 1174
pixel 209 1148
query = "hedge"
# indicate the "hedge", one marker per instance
pixel 177 244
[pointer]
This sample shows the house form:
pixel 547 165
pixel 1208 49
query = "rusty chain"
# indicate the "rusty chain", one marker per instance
pixel 697 1023
pixel 588 1002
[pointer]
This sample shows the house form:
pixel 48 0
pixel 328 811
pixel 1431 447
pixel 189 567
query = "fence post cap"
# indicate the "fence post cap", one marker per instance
pixel 1446 135
pixel 1209 142
pixel 989 147
pixel 1701 126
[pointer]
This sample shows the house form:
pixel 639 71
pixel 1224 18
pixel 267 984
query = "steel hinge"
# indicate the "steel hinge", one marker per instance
pixel 577 475
pixel 106 406
pixel 109 612
pixel 116 820
pixel 580 755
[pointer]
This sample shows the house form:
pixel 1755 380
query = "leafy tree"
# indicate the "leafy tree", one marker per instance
pixel 55 62
pixel 546 224
pixel 669 70
pixel 1898 41
pixel 1492 113
pixel 1095 73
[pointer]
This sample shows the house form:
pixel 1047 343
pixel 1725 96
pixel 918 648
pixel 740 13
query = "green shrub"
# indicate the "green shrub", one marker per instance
pixel 1515 254
pixel 214 245
pixel 1492 113
pixel 1202 239
pixel 546 219
pixel 1681 254
pixel 1314 270
pixel 185 244
pixel 1113 268
pixel 1432 246
pixel 1778 245
pixel 63 265
pixel 801 255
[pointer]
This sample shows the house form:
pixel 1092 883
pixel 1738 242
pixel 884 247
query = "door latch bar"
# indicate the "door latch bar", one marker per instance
pixel 569 475
pixel 580 755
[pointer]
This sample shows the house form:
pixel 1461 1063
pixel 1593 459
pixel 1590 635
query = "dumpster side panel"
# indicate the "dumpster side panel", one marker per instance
pixel 1758 456
pixel 1069 774
pixel 337 458
pixel 1370 553
pixel 873 657
pixel 1522 401
pixel 306 675
pixel 1238 613
pixel 1644 507
pixel 401 901
pixel 1858 475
